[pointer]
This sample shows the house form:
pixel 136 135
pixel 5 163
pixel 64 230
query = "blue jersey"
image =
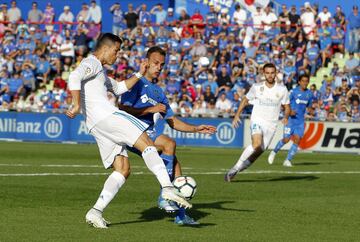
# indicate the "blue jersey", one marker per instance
pixel 146 94
pixel 299 101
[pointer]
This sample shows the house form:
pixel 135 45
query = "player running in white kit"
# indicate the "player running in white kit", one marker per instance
pixel 113 129
pixel 267 98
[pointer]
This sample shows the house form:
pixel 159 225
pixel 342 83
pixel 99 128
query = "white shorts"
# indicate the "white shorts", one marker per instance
pixel 113 133
pixel 266 132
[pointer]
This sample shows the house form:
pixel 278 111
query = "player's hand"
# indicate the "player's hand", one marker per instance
pixel 158 108
pixel 206 129
pixel 292 113
pixel 73 111
pixel 236 121
pixel 143 66
pixel 285 121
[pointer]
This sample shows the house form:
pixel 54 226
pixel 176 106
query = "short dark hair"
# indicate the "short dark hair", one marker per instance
pixel 107 39
pixel 156 49
pixel 302 76
pixel 269 65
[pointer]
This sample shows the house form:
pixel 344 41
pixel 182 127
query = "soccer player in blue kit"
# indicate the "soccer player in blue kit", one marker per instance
pixel 148 102
pixel 300 99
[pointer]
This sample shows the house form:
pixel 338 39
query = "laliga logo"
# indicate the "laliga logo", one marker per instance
pixel 225 133
pixel 53 127
pixel 311 137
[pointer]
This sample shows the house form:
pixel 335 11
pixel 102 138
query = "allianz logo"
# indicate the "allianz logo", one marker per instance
pixel 225 133
pixel 52 126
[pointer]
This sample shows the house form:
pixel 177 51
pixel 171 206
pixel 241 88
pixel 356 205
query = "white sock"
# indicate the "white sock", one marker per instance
pixel 242 165
pixel 156 166
pixel 243 162
pixel 111 188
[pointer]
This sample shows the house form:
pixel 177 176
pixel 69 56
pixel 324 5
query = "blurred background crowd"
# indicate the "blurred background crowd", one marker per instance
pixel 213 59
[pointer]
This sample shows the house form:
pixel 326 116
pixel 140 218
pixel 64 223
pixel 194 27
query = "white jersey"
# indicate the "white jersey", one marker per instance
pixel 91 79
pixel 267 103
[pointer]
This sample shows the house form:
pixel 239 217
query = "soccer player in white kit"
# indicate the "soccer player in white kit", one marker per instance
pixel 113 129
pixel 267 98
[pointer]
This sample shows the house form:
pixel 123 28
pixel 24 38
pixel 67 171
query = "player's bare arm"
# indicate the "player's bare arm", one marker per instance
pixel 135 78
pixel 244 102
pixel 286 114
pixel 158 108
pixel 179 125
pixel 76 106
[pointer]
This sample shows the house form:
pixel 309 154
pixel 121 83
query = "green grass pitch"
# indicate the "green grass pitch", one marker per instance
pixel 46 189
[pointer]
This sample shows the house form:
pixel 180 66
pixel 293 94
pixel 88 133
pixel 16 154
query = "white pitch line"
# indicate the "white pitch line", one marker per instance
pixel 189 173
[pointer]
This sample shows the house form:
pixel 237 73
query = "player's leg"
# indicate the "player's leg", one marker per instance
pixel 168 147
pixel 115 156
pixel 252 151
pixel 298 133
pixel 280 144
pixel 177 167
pixel 112 185
pixel 156 165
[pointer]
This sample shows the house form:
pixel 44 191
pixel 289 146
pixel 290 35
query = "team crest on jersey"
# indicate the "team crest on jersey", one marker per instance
pixel 277 95
pixel 144 98
pixel 88 70
pixel 261 89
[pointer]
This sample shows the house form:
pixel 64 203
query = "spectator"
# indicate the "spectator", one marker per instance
pixel 131 17
pixel 339 17
pixel 308 20
pixel 14 13
pixel 239 16
pixel 83 13
pixel 43 69
pixel 211 17
pixel 49 14
pixel 184 17
pixel 198 50
pixel 16 86
pixel 197 21
pixel 35 15
pixel 337 37
pixel 257 18
pixel 94 14
pixel 80 40
pixel 354 28
pixel 67 50
pixel 144 15
pixel 313 53
pixel 324 16
pixel 351 64
pixel 268 18
pixel 118 19
pixel 3 12
pixel 66 17
pixel 93 34
pixel 224 80
pixel 170 17
pixel 223 105
pixel 159 13
pixel 224 17
pixel 294 17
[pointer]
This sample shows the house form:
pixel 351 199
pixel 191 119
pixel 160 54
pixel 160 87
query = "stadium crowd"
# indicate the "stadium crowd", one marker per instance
pixel 211 63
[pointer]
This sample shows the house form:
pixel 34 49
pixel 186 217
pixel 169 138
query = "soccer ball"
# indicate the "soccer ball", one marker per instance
pixel 186 185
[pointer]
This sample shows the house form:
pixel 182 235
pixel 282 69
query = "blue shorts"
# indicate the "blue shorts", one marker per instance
pixel 297 129
pixel 153 134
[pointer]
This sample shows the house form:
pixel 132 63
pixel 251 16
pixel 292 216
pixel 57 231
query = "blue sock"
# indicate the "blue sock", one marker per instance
pixel 181 213
pixel 292 152
pixel 278 146
pixel 169 163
